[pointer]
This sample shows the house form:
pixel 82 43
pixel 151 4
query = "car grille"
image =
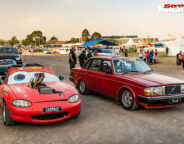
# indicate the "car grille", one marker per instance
pixel 50 116
pixel 172 90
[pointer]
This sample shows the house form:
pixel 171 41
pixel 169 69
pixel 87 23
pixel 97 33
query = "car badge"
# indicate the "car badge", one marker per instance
pixel 172 90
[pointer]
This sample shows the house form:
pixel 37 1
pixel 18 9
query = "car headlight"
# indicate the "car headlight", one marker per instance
pixel 21 103
pixel 73 99
pixel 17 58
pixel 182 89
pixel 153 91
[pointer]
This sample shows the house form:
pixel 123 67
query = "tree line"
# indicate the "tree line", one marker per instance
pixel 37 38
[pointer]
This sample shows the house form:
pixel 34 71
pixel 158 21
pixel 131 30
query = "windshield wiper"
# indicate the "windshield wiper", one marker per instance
pixel 148 71
pixel 130 71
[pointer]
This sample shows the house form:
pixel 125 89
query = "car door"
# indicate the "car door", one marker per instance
pixel 91 75
pixel 105 81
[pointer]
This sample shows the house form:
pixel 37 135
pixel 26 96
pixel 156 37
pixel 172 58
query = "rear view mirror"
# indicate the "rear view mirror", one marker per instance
pixel 61 78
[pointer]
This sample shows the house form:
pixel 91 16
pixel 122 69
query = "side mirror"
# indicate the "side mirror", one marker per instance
pixel 108 71
pixel 20 52
pixel 61 78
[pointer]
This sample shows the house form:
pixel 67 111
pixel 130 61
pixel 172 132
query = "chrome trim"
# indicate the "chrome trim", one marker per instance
pixel 163 97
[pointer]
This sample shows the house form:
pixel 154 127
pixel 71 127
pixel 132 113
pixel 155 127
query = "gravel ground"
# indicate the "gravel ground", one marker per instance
pixel 101 120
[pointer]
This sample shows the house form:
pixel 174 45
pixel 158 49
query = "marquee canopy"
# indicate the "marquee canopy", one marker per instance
pixel 103 42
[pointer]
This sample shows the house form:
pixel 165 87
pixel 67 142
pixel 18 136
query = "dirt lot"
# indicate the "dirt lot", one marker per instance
pixel 102 120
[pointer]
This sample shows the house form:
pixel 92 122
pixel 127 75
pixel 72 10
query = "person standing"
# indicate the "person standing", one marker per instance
pixel 147 56
pixel 89 53
pixel 178 60
pixel 144 57
pixel 167 51
pixel 126 53
pixel 72 58
pixel 151 57
pixel 183 60
pixel 82 58
pixel 156 54
pixel 140 55
pixel 96 53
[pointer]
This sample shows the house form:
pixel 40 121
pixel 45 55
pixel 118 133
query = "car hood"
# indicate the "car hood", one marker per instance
pixel 151 79
pixel 22 91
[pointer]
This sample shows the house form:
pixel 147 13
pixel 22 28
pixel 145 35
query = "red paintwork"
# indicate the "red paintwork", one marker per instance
pixel 112 84
pixel 38 100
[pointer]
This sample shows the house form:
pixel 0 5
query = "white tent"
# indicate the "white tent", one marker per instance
pixel 175 46
pixel 130 43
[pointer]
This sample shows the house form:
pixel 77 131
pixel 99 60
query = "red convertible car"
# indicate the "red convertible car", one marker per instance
pixel 130 81
pixel 37 95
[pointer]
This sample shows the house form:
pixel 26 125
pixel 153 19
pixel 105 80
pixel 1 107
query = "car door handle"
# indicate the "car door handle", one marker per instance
pixel 98 74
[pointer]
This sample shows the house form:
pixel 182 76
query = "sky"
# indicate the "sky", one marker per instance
pixel 67 18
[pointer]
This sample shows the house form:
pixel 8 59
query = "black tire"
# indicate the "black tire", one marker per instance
pixel 82 87
pixel 127 100
pixel 7 120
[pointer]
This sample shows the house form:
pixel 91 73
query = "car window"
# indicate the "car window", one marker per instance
pixel 131 65
pixel 8 50
pixel 87 64
pixel 21 77
pixel 95 65
pixel 106 65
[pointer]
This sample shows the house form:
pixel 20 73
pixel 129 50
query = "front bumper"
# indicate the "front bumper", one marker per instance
pixel 161 101
pixel 35 114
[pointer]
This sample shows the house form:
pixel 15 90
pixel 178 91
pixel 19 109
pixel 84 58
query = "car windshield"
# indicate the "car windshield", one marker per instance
pixel 8 50
pixel 122 66
pixel 7 62
pixel 21 77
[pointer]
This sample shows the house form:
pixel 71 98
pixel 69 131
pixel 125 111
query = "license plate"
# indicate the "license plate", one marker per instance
pixel 175 101
pixel 52 109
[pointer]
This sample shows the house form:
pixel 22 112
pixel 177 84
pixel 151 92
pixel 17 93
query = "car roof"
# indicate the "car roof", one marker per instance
pixel 31 69
pixel 111 57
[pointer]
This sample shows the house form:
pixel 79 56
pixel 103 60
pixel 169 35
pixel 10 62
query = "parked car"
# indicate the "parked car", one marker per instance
pixel 103 52
pixel 130 81
pixel 47 52
pixel 5 64
pixel 35 94
pixel 11 53
pixel 107 52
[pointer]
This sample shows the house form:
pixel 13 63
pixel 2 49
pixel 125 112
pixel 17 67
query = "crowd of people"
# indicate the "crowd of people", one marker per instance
pixel 82 58
pixel 180 60
pixel 150 57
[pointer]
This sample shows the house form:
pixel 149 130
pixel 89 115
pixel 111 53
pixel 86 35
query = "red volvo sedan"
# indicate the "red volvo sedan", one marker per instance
pixel 130 81
pixel 37 95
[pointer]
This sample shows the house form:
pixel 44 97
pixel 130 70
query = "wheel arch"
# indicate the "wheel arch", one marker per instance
pixel 125 87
